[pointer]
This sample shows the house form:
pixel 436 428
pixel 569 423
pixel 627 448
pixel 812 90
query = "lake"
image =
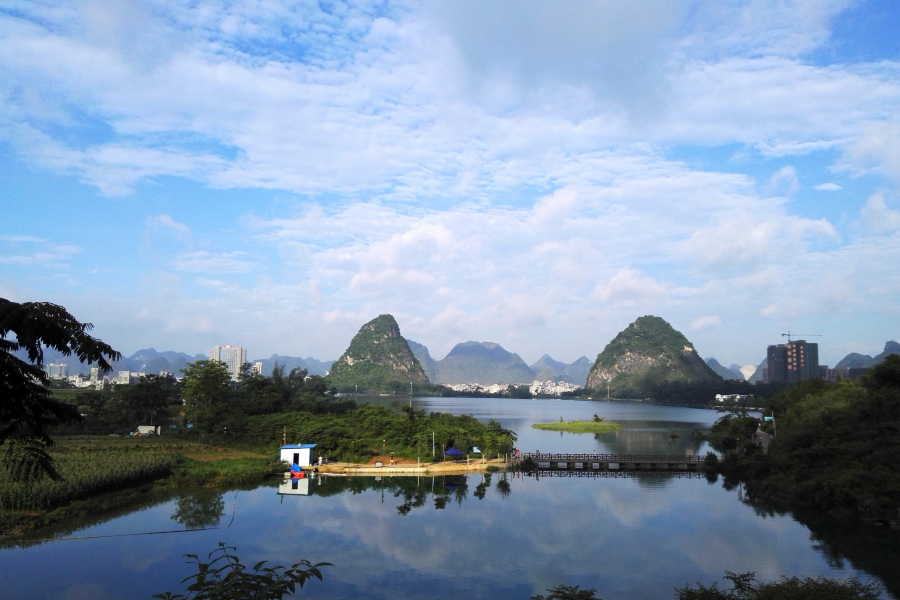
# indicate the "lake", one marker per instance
pixel 492 536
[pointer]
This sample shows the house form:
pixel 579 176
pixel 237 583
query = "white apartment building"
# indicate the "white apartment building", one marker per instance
pixel 232 356
pixel 257 369
pixel 551 388
pixel 57 370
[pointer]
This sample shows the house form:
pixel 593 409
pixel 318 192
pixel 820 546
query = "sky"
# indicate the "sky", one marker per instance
pixel 274 174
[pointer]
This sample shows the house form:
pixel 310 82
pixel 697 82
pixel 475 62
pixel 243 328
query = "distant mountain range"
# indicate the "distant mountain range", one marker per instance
pixel 855 360
pixel 722 372
pixel 487 363
pixel 151 362
pixel 484 363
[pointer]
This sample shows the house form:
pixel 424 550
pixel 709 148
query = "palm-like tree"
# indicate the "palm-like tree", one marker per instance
pixel 27 410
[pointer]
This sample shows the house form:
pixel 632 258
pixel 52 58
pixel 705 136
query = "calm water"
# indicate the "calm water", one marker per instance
pixel 497 536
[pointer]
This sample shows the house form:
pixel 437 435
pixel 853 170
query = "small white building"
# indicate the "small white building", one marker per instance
pixel 300 454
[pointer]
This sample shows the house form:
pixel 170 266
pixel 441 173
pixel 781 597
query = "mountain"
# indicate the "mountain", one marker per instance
pixel 318 367
pixel 288 362
pixel 377 357
pixel 484 363
pixel 722 371
pixel 856 360
pixel 647 352
pixel 424 357
pixel 736 369
pixel 546 368
pixel 578 371
pixel 760 370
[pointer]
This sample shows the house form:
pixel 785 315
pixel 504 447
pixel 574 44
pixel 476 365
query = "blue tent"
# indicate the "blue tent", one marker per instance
pixel 454 452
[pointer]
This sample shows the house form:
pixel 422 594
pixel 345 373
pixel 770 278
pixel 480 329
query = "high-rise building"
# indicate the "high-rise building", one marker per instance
pixel 233 357
pixel 793 362
pixel 57 370
pixel 257 368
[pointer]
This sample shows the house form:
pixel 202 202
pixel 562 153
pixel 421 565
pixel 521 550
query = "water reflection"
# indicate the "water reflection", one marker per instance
pixel 199 509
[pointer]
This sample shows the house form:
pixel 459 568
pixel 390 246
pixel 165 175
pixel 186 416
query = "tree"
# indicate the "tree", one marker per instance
pixel 206 386
pixel 27 410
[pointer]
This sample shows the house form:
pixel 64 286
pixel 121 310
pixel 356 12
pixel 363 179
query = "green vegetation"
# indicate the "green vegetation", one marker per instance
pixel 647 353
pixel 579 426
pixel 27 410
pixel 837 446
pixel 746 587
pixel 703 393
pixel 225 578
pixel 85 473
pixel 358 434
pixel 377 360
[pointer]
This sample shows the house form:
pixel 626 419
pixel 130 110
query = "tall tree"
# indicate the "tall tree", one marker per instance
pixel 27 410
pixel 206 386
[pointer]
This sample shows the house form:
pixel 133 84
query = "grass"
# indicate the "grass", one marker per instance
pixel 579 426
pixel 86 474
pixel 99 467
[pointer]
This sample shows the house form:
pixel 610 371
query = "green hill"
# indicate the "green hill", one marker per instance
pixel 378 360
pixel 484 363
pixel 647 352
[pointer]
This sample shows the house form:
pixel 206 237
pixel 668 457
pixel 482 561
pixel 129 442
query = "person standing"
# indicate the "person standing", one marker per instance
pixel 320 460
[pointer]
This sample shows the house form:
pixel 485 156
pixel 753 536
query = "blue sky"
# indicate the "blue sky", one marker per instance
pixel 274 174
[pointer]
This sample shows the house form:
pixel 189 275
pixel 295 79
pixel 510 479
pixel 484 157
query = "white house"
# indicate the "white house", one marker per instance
pixel 300 454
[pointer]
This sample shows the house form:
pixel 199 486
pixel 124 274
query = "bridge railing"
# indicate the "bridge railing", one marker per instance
pixel 627 458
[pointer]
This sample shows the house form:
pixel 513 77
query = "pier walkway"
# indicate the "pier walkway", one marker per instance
pixel 614 462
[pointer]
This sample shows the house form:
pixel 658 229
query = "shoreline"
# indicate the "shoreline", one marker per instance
pixel 472 466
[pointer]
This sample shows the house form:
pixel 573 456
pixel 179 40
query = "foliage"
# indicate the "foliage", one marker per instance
pixel 566 592
pixel 205 386
pixel 837 447
pixel 27 410
pixel 579 426
pixel 732 431
pixel 703 393
pixel 356 434
pixel 86 473
pixel 746 587
pixel 224 577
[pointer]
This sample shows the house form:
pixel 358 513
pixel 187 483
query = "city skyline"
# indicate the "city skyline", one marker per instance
pixel 511 172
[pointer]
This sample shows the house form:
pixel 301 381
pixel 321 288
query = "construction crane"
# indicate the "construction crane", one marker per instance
pixel 789 334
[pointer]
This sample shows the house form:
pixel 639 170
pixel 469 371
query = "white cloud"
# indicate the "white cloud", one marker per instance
pixel 211 262
pixel 828 187
pixel 170 223
pixel 629 286
pixel 707 322
pixel 878 216
pixel 21 239
pixel 784 182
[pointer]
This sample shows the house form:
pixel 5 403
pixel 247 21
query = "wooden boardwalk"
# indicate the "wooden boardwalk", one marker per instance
pixel 614 462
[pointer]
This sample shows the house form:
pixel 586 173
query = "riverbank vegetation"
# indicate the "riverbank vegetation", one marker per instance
pixel 358 434
pixel 597 425
pixel 837 446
